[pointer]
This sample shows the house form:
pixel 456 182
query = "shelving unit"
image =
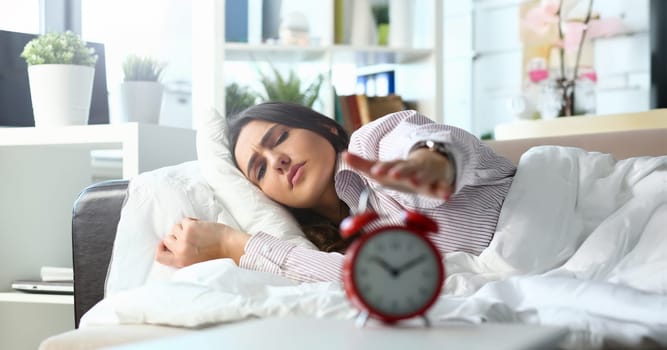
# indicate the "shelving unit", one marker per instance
pixel 418 68
pixel 42 171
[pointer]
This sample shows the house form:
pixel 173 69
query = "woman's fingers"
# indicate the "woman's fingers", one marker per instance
pixel 170 242
pixel 163 255
pixel 358 163
pixel 404 175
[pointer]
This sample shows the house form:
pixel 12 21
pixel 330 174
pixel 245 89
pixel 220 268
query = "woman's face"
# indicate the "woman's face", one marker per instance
pixel 292 166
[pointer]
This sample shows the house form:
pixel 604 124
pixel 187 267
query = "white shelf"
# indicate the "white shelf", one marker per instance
pixel 277 53
pixel 134 139
pixel 89 135
pixel 16 297
pixel 372 55
pixel 359 55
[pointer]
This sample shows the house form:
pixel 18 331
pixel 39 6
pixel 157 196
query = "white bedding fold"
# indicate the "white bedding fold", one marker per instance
pixel 581 242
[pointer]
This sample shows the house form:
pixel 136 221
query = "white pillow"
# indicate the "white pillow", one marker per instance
pixel 156 201
pixel 253 210
pixel 211 189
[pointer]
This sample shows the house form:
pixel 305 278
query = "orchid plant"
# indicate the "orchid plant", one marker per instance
pixel 572 29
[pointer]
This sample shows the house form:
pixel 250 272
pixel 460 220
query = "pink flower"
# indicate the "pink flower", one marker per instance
pixel 539 18
pixel 596 29
pixel 605 27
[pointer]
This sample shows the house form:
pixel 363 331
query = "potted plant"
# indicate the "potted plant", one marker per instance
pixel 277 88
pixel 61 69
pixel 141 90
pixel 238 98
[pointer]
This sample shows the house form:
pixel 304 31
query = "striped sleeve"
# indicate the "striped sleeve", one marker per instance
pixel 264 252
pixel 392 137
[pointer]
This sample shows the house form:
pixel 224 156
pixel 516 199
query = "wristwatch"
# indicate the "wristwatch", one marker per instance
pixel 440 148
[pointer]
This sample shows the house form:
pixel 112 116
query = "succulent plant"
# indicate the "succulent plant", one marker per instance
pixel 59 48
pixel 142 68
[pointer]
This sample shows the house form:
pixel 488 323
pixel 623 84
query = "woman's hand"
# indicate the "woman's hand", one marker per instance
pixel 424 172
pixel 192 241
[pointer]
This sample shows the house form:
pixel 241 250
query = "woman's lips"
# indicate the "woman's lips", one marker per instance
pixel 295 174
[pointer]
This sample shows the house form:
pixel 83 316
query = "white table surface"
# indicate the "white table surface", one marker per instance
pixel 305 333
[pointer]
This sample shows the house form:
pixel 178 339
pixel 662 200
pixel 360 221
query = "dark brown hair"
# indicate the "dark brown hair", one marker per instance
pixel 318 229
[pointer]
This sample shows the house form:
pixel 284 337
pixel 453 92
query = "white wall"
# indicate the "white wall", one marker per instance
pixel 483 54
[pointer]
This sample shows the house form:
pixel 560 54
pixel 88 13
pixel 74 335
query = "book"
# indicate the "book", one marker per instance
pixel 380 106
pixel 339 22
pixel 255 21
pixel 236 21
pixel 362 104
pixel 345 114
pixel 353 112
pixel 54 274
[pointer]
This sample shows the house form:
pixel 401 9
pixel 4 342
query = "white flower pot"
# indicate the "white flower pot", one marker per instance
pixel 141 101
pixel 60 94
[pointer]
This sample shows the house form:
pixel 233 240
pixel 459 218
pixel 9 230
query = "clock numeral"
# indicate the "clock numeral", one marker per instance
pixel 394 305
pixel 427 273
pixel 363 272
pixel 379 247
pixel 395 245
pixel 423 291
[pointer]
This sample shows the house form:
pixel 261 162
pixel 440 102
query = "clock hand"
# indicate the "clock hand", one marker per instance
pixel 414 262
pixel 385 265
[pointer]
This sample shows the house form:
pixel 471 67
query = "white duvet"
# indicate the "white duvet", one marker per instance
pixel 581 242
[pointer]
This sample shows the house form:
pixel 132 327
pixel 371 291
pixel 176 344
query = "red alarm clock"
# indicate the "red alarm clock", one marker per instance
pixel 393 272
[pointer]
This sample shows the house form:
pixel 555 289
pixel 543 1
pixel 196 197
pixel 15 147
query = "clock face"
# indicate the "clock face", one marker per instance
pixel 397 273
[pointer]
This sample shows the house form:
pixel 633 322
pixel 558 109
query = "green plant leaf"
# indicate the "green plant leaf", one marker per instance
pixel 278 88
pixel 238 98
pixel 59 48
pixel 142 68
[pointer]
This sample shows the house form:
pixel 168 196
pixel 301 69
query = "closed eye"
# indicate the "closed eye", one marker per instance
pixel 261 170
pixel 282 137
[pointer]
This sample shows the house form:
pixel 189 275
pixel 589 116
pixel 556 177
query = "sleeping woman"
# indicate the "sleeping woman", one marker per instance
pixel 306 162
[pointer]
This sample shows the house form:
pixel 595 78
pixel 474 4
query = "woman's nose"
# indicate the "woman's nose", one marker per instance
pixel 279 161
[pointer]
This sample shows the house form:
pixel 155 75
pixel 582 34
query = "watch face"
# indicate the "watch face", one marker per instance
pixel 397 273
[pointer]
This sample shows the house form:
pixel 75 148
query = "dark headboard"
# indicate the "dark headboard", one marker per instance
pixel 94 222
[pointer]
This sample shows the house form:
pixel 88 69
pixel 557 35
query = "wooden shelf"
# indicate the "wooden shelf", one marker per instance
pixel 16 297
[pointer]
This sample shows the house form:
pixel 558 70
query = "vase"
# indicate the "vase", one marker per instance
pixel 60 94
pixel 557 100
pixel 399 20
pixel 141 101
pixel 363 31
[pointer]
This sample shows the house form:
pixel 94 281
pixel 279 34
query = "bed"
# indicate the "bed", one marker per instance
pixel 97 213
